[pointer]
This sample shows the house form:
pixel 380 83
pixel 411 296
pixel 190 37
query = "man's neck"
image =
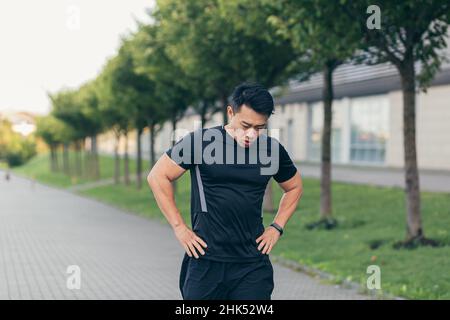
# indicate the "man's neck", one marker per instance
pixel 229 130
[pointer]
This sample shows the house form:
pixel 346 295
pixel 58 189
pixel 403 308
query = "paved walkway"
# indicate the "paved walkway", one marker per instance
pixel 44 230
pixel 433 181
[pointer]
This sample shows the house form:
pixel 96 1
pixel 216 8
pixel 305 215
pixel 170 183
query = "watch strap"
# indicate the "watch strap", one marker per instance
pixel 278 227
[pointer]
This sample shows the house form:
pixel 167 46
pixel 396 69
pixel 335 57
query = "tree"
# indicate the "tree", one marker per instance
pixel 204 42
pixel 65 107
pixel 318 21
pixel 14 148
pixel 174 90
pixel 67 136
pixel 412 33
pixel 148 106
pixel 119 90
pixel 88 100
pixel 52 131
pixel 138 99
pixel 111 107
pixel 225 43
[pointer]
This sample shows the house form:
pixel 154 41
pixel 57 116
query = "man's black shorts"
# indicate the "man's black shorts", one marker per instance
pixel 204 279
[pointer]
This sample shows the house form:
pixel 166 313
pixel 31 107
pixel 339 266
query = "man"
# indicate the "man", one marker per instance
pixel 227 249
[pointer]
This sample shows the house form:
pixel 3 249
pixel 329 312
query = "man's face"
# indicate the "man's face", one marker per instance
pixel 246 124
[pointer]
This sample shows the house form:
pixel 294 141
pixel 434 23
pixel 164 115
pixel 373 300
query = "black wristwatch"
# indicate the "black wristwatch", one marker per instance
pixel 278 227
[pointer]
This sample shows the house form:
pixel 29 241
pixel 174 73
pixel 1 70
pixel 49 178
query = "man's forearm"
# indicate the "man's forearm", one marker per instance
pixel 163 192
pixel 288 204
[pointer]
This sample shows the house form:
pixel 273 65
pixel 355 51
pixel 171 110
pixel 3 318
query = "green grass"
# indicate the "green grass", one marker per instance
pixel 366 215
pixel 372 214
pixel 39 168
pixel 142 201
pixel 3 165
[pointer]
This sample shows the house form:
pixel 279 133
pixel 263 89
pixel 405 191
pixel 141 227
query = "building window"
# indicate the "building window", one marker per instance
pixel 369 129
pixel 315 131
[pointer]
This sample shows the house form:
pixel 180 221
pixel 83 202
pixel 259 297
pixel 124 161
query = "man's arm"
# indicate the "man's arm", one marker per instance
pixel 293 190
pixel 160 180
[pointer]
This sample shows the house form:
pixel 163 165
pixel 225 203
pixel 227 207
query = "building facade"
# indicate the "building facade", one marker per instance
pixel 367 120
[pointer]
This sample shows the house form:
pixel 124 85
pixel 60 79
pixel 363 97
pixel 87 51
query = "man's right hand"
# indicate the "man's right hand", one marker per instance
pixel 189 240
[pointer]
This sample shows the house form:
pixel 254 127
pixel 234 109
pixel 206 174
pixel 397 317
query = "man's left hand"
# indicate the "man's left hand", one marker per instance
pixel 268 239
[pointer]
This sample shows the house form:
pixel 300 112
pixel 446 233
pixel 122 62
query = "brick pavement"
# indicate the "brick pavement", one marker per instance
pixel 44 230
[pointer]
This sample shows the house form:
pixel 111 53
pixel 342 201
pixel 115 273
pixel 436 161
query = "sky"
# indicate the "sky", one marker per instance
pixel 47 45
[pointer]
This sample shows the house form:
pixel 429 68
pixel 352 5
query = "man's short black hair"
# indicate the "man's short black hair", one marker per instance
pixel 254 96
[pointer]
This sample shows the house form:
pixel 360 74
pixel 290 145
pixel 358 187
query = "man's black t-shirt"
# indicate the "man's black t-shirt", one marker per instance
pixel 228 182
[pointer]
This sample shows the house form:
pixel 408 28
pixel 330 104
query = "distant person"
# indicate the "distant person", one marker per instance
pixel 227 250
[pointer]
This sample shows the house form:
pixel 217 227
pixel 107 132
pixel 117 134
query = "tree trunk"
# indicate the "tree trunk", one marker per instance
pixel 152 143
pixel 94 159
pixel 325 178
pixel 78 158
pixel 84 154
pixel 126 160
pixel 268 198
pixel 87 161
pixel 139 159
pixel 66 158
pixel 174 128
pixel 52 159
pixel 117 158
pixel 57 167
pixel 203 111
pixel 412 189
pixel 224 109
pixel 268 193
